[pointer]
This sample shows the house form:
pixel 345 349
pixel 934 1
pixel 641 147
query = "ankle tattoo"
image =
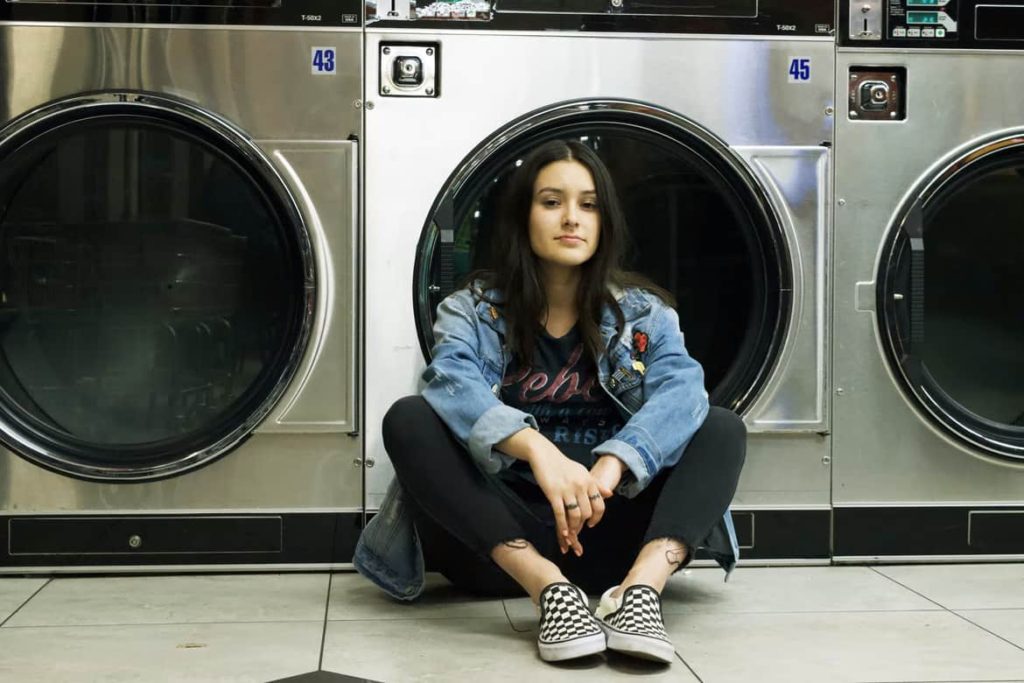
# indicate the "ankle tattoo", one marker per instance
pixel 675 556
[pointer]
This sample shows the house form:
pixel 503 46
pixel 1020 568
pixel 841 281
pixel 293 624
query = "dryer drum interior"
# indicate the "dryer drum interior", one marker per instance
pixel 950 305
pixel 153 289
pixel 701 228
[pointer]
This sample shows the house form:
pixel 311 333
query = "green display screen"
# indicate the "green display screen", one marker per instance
pixel 922 17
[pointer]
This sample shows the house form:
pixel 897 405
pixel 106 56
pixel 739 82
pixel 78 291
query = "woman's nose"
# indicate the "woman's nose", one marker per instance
pixel 570 217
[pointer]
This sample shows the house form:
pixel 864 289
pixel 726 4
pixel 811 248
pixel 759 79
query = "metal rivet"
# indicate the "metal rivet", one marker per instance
pixel 369 105
pixel 358 104
pixel 839 390
pixel 135 541
pixel 853 77
pixel 358 462
pixel 842 202
pixel 429 91
pixel 854 115
pixel 893 78
pixel 829 111
pixel 387 50
pixel 892 115
pixel 385 89
pixel 370 462
pixel 430 51
pixel 826 460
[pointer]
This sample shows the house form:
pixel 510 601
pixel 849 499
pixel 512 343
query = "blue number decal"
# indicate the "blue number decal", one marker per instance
pixel 799 70
pixel 325 61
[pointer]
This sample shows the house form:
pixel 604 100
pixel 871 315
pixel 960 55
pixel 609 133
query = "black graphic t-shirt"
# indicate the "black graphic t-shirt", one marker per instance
pixel 561 391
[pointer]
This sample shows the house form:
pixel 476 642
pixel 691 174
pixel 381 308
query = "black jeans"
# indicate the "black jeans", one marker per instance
pixel 462 514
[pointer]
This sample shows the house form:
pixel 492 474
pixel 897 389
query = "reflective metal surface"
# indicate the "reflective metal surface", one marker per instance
pixel 886 449
pixel 742 95
pixel 303 454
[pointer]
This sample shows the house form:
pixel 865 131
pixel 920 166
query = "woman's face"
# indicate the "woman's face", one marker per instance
pixel 565 224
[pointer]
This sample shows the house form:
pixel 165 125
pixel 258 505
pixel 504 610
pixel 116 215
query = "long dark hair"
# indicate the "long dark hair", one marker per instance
pixel 513 265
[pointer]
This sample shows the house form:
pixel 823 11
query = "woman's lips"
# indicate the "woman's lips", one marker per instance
pixel 570 239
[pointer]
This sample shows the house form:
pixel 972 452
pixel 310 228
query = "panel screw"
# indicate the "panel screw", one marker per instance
pixel 430 51
pixel 826 460
pixel 893 78
pixel 842 202
pixel 135 541
pixel 616 3
pixel 829 111
pixel 387 50
pixel 839 390
pixel 358 104
pixel 369 105
pixel 854 115
pixel 370 462
pixel 385 89
pixel 853 77
pixel 358 462
pixel 429 91
pixel 892 115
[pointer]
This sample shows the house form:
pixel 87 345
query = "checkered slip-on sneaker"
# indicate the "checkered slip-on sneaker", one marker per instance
pixel 567 628
pixel 633 624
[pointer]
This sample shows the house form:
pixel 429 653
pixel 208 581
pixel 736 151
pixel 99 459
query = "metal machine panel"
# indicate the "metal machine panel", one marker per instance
pixel 305 459
pixel 886 450
pixel 745 94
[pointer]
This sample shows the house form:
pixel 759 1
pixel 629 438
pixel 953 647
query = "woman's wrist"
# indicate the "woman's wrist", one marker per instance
pixel 611 461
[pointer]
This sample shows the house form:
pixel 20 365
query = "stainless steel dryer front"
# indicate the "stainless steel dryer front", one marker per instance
pixel 718 131
pixel 929 253
pixel 178 316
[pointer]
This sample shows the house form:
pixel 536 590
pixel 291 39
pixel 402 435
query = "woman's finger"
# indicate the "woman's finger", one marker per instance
pixel 561 524
pixel 574 516
pixel 597 504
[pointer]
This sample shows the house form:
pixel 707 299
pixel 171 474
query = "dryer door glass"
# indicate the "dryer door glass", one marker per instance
pixel 951 302
pixel 700 228
pixel 152 293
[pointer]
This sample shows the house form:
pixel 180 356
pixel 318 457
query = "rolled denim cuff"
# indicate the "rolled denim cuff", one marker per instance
pixel 641 475
pixel 495 425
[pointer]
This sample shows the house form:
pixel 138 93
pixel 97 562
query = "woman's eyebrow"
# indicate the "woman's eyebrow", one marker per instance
pixel 550 189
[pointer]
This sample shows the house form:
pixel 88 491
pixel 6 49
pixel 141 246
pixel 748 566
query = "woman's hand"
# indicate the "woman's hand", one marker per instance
pixel 607 472
pixel 575 495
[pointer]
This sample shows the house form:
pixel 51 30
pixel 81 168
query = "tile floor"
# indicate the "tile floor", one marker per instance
pixel 888 623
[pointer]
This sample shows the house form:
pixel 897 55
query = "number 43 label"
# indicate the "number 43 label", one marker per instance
pixel 324 61
pixel 799 69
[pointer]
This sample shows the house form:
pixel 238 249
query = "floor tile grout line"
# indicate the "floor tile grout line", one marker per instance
pixel 508 618
pixel 27 600
pixel 323 635
pixel 149 624
pixel 906 587
pixel 687 665
pixel 954 613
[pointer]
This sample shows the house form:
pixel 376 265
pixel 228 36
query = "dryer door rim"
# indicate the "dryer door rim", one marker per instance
pixel 673 127
pixel 185 116
pixel 906 232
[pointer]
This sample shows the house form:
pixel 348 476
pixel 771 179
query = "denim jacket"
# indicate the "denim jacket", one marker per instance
pixel 645 369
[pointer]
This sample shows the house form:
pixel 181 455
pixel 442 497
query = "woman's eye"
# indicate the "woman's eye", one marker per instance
pixel 589 206
pixel 550 202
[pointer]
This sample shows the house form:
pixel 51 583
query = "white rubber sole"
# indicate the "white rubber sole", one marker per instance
pixel 644 647
pixel 572 649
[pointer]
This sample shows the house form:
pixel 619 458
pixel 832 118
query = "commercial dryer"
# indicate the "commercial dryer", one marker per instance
pixel 929 269
pixel 178 284
pixel 716 122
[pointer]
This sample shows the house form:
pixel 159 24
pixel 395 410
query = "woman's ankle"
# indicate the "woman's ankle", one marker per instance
pixel 531 570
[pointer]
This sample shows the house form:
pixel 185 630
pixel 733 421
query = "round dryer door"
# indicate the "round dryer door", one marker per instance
pixel 950 298
pixel 155 288
pixel 701 226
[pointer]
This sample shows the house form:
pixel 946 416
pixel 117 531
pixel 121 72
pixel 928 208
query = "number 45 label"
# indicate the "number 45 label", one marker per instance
pixel 799 69
pixel 324 61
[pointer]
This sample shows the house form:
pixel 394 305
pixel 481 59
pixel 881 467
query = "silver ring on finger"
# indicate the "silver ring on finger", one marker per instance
pixel 572 506
pixel 595 496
